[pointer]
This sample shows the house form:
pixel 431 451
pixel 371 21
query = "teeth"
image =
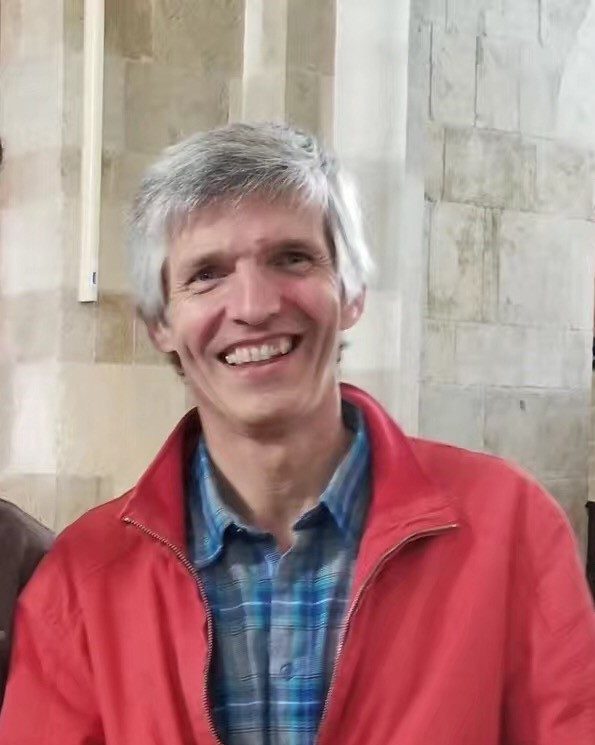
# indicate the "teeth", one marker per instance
pixel 258 354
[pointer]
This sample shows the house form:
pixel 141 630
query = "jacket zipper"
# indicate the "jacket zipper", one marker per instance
pixel 181 557
pixel 356 601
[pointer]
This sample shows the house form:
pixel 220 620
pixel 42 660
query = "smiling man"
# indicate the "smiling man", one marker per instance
pixel 292 568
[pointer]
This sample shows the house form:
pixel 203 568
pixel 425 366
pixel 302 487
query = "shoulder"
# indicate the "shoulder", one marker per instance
pixel 23 542
pixel 499 498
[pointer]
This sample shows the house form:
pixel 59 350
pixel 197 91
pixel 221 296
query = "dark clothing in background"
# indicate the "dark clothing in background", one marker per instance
pixel 23 542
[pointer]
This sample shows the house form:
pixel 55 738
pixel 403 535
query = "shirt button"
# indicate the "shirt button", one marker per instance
pixel 286 670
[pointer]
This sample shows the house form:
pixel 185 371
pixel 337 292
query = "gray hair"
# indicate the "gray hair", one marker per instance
pixel 229 164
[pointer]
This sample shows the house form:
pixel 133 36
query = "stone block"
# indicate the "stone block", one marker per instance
pixel 32 323
pixel 498 84
pixel 202 36
pixel 545 270
pixel 145 352
pixel 74 496
pixel 565 183
pixel 34 493
pixel 303 100
pixel 311 35
pixel 375 340
pixel 31 112
pixel 132 408
pixel 114 112
pixel 469 15
pixel 29 29
pixel 37 397
pixel 434 161
pixel 490 169
pixel 29 177
pixel 31 254
pixel 113 259
pixel 521 356
pixel 129 28
pixel 114 329
pixel 429 11
pixel 77 329
pixel 453 78
pixel 456 262
pixel 163 105
pixel 560 23
pixel 540 71
pixel 453 414
pixel 438 352
pixel 513 19
pixel 545 432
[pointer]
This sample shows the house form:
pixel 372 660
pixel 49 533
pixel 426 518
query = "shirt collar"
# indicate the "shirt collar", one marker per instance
pixel 345 497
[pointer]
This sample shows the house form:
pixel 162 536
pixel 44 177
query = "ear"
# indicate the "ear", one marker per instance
pixel 160 334
pixel 351 312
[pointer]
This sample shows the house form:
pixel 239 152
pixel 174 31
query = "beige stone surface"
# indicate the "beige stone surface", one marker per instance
pixel 129 27
pixel 30 176
pixel 546 432
pixel 77 331
pixel 115 418
pixel 114 329
pixel 565 182
pixel 456 269
pixel 452 413
pixel 202 36
pixel 434 161
pixel 35 494
pixel 31 321
pixel 438 360
pixel 453 78
pixel 546 270
pixel 30 260
pixel 540 71
pixel 74 496
pixel 305 100
pixel 29 29
pixel 470 15
pixel 144 350
pixel 489 168
pixel 32 120
pixel 311 35
pixel 36 392
pixel 164 104
pixel 498 84
pixel 538 357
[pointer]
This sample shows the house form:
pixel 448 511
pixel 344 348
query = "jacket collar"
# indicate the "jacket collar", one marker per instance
pixel 404 501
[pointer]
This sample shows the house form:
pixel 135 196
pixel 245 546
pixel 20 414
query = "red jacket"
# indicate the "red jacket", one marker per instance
pixel 471 623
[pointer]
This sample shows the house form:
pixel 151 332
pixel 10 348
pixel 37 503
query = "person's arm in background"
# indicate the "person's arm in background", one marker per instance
pixel 23 543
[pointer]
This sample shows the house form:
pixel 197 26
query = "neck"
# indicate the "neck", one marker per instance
pixel 271 481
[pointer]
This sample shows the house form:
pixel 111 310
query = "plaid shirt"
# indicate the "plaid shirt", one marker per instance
pixel 277 619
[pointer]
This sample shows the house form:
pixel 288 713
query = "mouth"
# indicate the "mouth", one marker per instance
pixel 246 354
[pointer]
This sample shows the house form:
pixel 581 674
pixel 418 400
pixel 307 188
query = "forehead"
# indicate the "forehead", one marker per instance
pixel 251 225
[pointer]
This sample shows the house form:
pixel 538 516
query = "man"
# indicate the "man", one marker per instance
pixel 23 542
pixel 292 568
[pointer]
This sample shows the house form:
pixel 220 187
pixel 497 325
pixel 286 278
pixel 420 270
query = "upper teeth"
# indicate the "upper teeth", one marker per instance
pixel 241 355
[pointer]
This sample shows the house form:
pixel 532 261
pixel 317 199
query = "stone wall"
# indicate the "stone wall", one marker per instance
pixel 85 401
pixel 510 233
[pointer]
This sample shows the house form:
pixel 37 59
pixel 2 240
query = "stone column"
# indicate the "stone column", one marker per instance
pixel 370 134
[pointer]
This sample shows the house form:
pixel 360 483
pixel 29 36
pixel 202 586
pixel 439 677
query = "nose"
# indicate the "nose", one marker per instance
pixel 254 296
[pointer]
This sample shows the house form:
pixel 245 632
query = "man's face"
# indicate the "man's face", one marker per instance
pixel 255 312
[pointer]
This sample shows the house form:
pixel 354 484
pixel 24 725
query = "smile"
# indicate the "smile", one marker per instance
pixel 244 354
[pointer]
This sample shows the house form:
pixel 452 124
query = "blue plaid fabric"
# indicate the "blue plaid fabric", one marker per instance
pixel 277 618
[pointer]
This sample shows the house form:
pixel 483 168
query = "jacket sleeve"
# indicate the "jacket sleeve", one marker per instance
pixel 49 697
pixel 550 692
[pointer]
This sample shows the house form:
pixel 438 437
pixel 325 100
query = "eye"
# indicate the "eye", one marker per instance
pixel 293 259
pixel 207 276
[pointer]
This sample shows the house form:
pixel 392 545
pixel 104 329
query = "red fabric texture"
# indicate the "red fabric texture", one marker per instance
pixel 471 621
